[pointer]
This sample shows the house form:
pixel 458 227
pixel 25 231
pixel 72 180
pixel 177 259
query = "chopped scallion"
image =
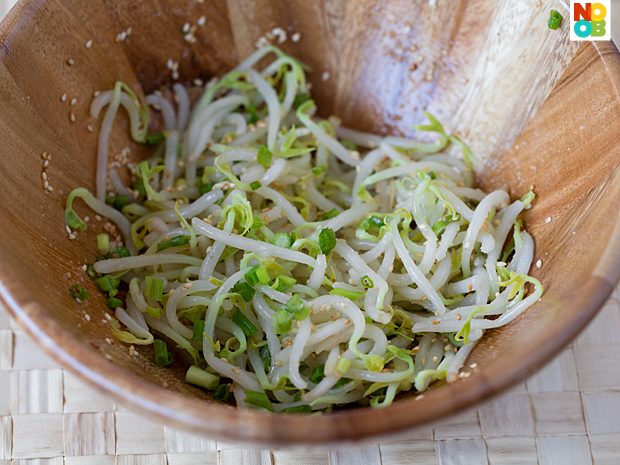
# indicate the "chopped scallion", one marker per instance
pixel 258 399
pixel 367 282
pixel 263 275
pixel 103 244
pixel 256 185
pixel 78 292
pixel 222 392
pixel 154 312
pixel 162 357
pixel 353 295
pixel 298 409
pixel 174 242
pixel 327 240
pixel 245 291
pixel 154 288
pixel 114 303
pixel 246 325
pixel 156 138
pixel 318 374
pixel 264 156
pixel 201 378
pixel 107 283
pixel 199 328
pixel 205 188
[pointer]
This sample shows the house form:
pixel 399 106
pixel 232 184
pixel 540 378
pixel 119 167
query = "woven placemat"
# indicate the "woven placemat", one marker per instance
pixel 567 414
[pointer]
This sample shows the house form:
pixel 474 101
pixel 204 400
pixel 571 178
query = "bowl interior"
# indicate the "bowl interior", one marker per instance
pixel 483 69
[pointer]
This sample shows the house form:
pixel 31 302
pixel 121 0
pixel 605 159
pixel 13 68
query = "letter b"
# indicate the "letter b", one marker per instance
pixel 598 28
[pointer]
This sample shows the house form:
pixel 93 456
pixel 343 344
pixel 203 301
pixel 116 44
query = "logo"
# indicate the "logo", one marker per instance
pixel 590 21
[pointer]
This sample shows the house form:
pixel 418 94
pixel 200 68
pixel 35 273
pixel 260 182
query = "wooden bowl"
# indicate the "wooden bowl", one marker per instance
pixel 483 68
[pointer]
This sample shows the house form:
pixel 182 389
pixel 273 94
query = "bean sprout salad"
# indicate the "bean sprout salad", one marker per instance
pixel 296 264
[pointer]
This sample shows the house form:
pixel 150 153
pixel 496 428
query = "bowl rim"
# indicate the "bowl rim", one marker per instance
pixel 341 428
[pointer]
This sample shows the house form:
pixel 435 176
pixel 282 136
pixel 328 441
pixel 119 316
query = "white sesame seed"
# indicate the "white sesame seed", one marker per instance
pixel 50 188
pixel 296 37
pixel 69 232
pixel 548 220
pixel 45 184
pixel 89 128
pixel 467 245
pixel 70 62
pixel 539 264
pixel 89 43
pixel 473 365
pixel 72 117
pixel 44 175
pixel 325 76
pixel 72 236
pixel 87 316
pixel 73 101
pixel 202 20
pixel 63 98
pixel 198 82
pixel 186 27
pixel 500 264
pixel 46 163
pixel 435 359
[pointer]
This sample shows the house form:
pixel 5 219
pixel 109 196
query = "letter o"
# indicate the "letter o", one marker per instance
pixel 602 12
pixel 586 32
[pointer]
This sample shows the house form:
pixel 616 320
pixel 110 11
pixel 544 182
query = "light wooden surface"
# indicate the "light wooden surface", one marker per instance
pixel 568 414
pixel 578 272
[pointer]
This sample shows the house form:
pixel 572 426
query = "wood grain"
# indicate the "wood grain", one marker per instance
pixel 484 67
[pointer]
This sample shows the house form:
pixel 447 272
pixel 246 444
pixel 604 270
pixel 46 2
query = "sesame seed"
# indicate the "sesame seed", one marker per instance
pixel 68 229
pixel 46 163
pixel 473 365
pixel 98 217
pixel 539 264
pixel 419 397
pixel 89 43
pixel 89 128
pixel 236 371
pixel 424 299
pixel 87 316
pixel 73 101
pixel 296 37
pixel 44 175
pixel 70 62
pixel 501 264
pixel 435 359
pixel 223 359
pixel 447 348
pixel 435 322
pixel 45 184
pixel 467 245
pixel 72 117
pixel 72 236
pixel 548 220
pixel 458 316
pixel 186 27
pixel 325 76
pixel 202 20
pixel 63 98
pixel 198 82
pixel 469 287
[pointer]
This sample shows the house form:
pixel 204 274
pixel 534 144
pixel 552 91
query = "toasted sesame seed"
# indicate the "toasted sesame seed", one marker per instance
pixel 70 62
pixel 45 184
pixel 236 371
pixel 469 286
pixel 72 236
pixel 435 359
pixel 46 163
pixel 89 43
pixel 424 299
pixel 458 316
pixel 435 322
pixel 44 175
